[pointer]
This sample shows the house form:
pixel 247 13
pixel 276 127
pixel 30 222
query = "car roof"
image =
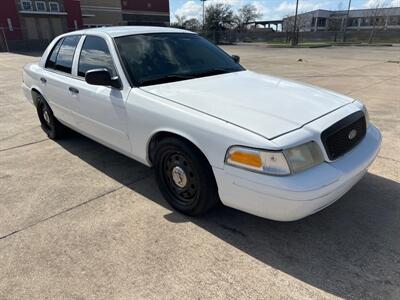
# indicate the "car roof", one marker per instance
pixel 115 31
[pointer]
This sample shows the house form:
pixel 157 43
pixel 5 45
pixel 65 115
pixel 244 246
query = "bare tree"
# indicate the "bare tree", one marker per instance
pixel 335 25
pixel 180 21
pixel 247 13
pixel 336 21
pixel 289 26
pixel 378 19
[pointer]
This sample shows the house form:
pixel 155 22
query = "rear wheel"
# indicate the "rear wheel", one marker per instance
pixel 50 125
pixel 185 177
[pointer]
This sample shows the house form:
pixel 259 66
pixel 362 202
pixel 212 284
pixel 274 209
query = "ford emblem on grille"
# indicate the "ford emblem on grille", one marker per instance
pixel 352 134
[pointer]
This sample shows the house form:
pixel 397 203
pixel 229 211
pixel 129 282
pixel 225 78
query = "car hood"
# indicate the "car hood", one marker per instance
pixel 267 105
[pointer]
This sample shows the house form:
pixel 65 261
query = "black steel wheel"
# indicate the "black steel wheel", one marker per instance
pixel 50 125
pixel 185 177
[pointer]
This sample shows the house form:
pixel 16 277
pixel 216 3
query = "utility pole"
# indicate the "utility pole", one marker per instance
pixel 295 39
pixel 203 11
pixel 345 21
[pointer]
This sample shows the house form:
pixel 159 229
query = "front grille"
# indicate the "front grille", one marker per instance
pixel 344 135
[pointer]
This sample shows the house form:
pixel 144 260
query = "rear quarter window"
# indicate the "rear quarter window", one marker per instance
pixel 62 55
pixel 51 60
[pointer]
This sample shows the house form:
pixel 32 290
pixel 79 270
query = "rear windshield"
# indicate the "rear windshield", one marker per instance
pixel 165 57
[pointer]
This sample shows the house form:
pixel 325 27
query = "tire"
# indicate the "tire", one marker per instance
pixel 50 125
pixel 185 177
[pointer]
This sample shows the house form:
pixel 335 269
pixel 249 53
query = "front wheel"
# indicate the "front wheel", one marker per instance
pixel 185 177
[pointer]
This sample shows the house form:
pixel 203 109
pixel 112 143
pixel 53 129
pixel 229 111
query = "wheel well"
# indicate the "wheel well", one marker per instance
pixel 35 95
pixel 163 135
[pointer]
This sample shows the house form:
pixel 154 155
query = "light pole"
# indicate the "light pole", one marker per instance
pixel 345 21
pixel 295 37
pixel 203 11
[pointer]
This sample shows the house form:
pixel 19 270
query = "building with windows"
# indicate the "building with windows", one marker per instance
pixel 125 12
pixel 146 12
pixel 98 13
pixel 39 21
pixel 358 19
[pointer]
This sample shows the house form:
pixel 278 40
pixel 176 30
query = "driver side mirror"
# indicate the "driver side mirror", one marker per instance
pixel 236 58
pixel 102 77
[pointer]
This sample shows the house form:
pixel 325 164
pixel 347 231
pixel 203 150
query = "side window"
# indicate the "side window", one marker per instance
pixel 66 54
pixel 95 55
pixel 51 60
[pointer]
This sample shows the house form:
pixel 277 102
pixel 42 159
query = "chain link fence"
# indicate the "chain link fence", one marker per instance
pixel 22 39
pixel 233 36
pixel 15 41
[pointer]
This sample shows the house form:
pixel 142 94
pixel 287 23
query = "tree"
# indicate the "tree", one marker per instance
pixel 219 17
pixel 378 19
pixel 247 13
pixel 288 26
pixel 192 24
pixel 335 25
pixel 180 21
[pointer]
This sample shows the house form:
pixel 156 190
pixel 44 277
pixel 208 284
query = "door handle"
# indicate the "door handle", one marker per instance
pixel 73 90
pixel 43 80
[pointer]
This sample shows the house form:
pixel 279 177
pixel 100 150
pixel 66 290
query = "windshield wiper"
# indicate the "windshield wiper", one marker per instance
pixel 165 79
pixel 177 77
pixel 211 72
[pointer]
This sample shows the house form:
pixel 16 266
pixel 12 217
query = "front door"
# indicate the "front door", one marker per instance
pixel 101 109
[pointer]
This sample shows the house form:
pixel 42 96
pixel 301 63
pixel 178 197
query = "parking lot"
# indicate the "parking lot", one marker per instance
pixel 80 221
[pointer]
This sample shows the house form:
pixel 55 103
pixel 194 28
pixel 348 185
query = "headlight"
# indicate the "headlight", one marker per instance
pixel 304 156
pixel 285 162
pixel 366 114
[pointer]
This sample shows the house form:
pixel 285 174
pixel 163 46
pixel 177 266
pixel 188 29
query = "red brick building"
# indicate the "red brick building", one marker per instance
pixel 148 12
pixel 125 12
pixel 39 21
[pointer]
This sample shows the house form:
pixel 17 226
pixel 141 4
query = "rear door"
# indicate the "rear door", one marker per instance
pixel 101 112
pixel 57 77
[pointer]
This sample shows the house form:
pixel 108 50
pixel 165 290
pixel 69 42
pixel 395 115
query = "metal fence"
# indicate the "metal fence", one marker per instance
pixel 233 36
pixel 9 43
pixel 15 40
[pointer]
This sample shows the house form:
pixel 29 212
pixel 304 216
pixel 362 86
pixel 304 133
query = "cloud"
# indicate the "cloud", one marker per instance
pixel 381 3
pixel 230 2
pixel 190 9
pixel 289 7
pixel 261 8
pixel 194 9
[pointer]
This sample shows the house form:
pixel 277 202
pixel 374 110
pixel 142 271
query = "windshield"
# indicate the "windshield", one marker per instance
pixel 166 57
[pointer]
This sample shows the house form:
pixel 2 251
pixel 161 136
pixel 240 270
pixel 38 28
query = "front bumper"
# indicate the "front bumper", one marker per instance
pixel 294 197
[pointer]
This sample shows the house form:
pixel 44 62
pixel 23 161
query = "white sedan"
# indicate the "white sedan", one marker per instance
pixel 212 130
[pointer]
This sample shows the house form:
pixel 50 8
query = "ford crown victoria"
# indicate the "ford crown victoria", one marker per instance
pixel 212 130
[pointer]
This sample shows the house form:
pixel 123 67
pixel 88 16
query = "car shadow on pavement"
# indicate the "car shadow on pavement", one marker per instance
pixel 350 249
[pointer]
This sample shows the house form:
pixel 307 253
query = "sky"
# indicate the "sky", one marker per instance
pixel 272 9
